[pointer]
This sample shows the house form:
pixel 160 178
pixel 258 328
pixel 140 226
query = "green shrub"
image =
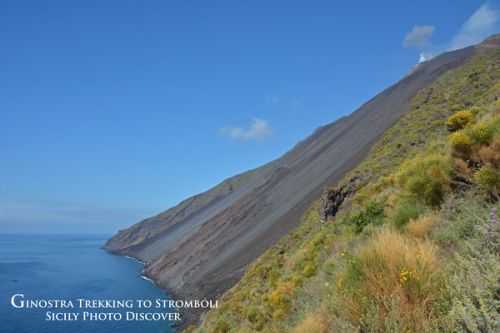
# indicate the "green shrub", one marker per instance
pixel 372 214
pixel 406 211
pixel 460 143
pixel 459 120
pixel 473 281
pixel 458 222
pixel 349 280
pixel 482 133
pixel 279 299
pixel 256 317
pixel 475 110
pixel 297 280
pixel 488 179
pixel 474 287
pixel 309 269
pixel 426 178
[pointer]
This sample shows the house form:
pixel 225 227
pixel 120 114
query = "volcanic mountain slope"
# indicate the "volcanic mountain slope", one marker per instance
pixel 407 241
pixel 200 247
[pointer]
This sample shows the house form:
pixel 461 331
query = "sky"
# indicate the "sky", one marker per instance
pixel 111 111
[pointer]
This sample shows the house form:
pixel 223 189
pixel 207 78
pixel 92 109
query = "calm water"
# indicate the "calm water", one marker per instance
pixel 69 267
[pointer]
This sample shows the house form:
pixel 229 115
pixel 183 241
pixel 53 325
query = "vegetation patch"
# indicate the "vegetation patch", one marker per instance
pixel 372 214
pixel 459 120
pixel 394 267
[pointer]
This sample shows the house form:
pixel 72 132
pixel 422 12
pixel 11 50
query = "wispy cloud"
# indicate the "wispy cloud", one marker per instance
pixel 482 23
pixel 257 130
pixel 419 36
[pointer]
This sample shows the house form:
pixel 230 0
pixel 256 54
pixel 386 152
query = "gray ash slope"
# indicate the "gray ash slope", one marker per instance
pixel 200 247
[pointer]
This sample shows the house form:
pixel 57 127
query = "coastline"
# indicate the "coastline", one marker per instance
pixel 132 258
pixel 144 277
pixel 187 317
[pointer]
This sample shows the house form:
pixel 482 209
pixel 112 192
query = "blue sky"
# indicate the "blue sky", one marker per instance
pixel 111 111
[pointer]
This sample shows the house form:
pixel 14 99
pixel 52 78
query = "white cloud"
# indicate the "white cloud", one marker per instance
pixel 424 56
pixel 482 23
pixel 419 36
pixel 257 130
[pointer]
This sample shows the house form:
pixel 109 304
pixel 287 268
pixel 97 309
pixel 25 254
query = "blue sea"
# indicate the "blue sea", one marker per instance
pixel 68 268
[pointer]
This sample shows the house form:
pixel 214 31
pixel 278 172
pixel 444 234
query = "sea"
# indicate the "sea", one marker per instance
pixel 72 267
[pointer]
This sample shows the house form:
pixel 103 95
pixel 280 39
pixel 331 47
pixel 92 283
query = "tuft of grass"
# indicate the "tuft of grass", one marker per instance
pixel 390 268
pixel 422 226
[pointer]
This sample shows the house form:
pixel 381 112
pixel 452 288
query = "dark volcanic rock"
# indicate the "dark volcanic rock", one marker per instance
pixel 200 247
pixel 333 198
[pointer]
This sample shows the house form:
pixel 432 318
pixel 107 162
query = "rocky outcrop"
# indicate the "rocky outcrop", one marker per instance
pixel 332 199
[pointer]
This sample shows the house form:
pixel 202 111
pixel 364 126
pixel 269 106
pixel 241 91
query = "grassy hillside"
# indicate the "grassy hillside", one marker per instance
pixel 415 249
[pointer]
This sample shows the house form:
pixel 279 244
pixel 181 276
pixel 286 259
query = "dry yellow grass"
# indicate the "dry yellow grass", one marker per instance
pixel 422 226
pixel 315 322
pixel 490 154
pixel 461 167
pixel 399 268
pixel 389 254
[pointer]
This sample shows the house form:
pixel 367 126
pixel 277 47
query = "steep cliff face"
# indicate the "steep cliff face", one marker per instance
pixel 200 247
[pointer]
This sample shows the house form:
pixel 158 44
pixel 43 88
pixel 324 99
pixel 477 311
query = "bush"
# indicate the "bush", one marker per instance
pixel 309 269
pixel 488 179
pixel 372 214
pixel 280 301
pixel 475 110
pixel 256 317
pixel 405 212
pixel 459 120
pixel 426 178
pixel 451 232
pixel 474 288
pixel 297 280
pixel 482 133
pixel 490 155
pixel 394 271
pixel 473 281
pixel 460 143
